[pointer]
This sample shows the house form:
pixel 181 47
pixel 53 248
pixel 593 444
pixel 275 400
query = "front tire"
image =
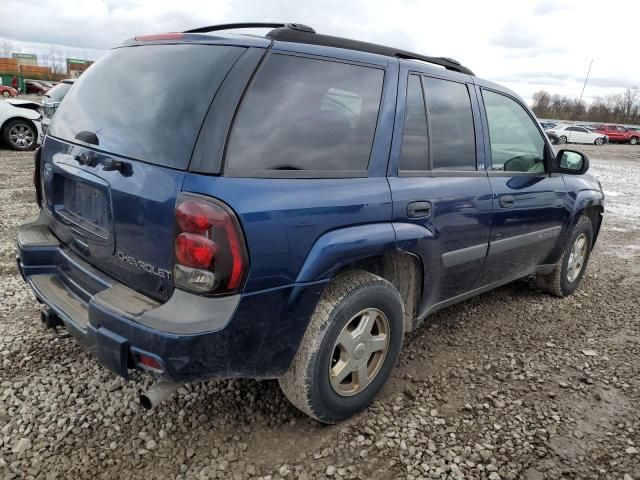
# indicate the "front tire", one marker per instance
pixel 348 350
pixel 562 140
pixel 6 94
pixel 633 141
pixel 570 269
pixel 20 135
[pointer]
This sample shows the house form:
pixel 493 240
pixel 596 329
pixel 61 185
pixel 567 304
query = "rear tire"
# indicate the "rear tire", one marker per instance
pixel 6 94
pixel 562 140
pixel 570 269
pixel 599 141
pixel 312 381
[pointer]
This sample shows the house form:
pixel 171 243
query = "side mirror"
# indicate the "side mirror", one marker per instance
pixel 571 162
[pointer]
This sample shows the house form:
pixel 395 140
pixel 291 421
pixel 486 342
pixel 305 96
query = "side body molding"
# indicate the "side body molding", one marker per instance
pixel 346 245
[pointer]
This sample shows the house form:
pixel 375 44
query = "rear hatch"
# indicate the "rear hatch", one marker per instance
pixel 118 147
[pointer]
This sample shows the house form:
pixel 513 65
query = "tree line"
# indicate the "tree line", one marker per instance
pixel 619 108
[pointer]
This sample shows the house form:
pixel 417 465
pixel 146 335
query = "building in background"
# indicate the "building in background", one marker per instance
pixel 25 59
pixel 76 66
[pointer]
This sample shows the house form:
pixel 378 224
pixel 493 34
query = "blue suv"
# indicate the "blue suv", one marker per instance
pixel 289 206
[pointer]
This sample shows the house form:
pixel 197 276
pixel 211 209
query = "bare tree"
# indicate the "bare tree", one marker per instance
pixel 7 48
pixel 629 99
pixel 541 103
pixel 619 108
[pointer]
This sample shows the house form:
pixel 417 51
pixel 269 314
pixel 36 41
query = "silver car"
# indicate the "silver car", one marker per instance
pixel 51 100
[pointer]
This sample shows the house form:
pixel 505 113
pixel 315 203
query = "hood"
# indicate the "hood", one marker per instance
pixel 24 108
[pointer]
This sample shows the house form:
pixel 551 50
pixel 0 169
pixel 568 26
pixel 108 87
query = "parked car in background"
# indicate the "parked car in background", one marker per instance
pixel 293 212
pixel 20 125
pixel 51 100
pixel 7 92
pixel 619 134
pixel 562 134
pixel 36 88
pixel 45 83
pixel 547 125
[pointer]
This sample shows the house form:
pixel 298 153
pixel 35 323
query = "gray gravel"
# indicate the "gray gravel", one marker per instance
pixel 512 384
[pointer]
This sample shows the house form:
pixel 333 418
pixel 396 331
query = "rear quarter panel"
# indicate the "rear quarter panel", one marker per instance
pixel 283 218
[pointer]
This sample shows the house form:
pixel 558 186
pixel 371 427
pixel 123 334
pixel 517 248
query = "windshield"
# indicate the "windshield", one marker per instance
pixel 146 102
pixel 57 93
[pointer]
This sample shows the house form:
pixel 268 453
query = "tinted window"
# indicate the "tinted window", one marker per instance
pixel 414 152
pixel 516 143
pixel 453 144
pixel 306 114
pixel 146 102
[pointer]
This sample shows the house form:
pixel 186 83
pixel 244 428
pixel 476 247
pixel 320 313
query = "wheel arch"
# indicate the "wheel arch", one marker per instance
pixel 587 203
pixel 594 212
pixel 10 119
pixel 404 271
pixel 372 248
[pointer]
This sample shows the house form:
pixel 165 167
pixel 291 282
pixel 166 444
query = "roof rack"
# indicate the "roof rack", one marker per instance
pixel 231 26
pixel 300 33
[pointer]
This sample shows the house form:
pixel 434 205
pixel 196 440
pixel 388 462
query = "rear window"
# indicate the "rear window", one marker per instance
pixel 306 114
pixel 57 93
pixel 146 102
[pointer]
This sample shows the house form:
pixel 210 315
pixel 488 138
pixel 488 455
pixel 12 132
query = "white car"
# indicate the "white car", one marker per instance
pixel 574 134
pixel 20 124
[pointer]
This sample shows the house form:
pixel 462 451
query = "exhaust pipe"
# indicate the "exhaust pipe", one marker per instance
pixel 158 393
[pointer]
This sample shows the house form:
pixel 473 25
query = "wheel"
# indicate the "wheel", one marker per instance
pixel 569 270
pixel 349 348
pixel 6 94
pixel 599 141
pixel 553 139
pixel 562 140
pixel 633 141
pixel 20 134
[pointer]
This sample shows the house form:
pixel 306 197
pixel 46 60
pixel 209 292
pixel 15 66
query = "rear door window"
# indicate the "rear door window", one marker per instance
pixel 306 114
pixel 451 130
pixel 146 102
pixel 414 153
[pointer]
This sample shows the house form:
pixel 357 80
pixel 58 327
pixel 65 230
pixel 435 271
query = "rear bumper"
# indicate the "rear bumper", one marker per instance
pixel 193 337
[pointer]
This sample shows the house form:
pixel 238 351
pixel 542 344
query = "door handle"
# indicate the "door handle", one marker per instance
pixel 507 201
pixel 419 209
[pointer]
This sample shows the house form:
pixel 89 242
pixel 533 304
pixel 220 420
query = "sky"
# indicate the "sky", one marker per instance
pixel 526 45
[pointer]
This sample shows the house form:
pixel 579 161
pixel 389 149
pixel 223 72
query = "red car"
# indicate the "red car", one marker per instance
pixel 618 134
pixel 7 92
pixel 35 87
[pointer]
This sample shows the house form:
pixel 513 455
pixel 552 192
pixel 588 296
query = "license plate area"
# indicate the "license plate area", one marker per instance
pixel 84 207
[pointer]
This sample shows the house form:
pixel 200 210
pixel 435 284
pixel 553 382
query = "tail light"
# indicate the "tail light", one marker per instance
pixel 37 183
pixel 209 251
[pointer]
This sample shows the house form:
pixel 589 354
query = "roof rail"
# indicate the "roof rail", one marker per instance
pixel 231 26
pixel 287 34
pixel 300 33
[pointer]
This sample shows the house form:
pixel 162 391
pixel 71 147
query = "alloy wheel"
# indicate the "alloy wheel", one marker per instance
pixel 21 136
pixel 577 257
pixel 359 352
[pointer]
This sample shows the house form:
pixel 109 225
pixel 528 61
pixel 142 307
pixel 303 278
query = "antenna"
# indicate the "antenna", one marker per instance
pixel 584 85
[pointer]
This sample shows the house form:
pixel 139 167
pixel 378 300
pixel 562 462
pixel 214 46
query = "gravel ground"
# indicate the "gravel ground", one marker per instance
pixel 512 384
